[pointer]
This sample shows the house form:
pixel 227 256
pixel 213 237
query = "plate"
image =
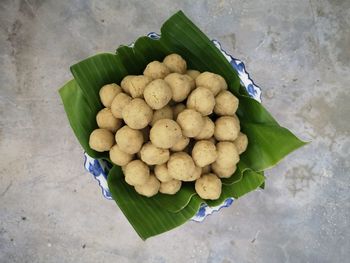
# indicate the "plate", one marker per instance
pixel 100 168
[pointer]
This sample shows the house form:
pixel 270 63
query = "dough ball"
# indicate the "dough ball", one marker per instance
pixel 129 140
pixel 162 174
pixel 125 83
pixel 202 100
pixel 164 113
pixel 138 85
pixel 171 187
pixel 181 166
pixel 119 157
pixel 177 109
pixel 195 175
pixel 225 103
pixel 223 172
pixel 227 128
pixel 137 114
pixel 136 173
pixel 207 130
pixel 241 142
pixel 118 104
pixel 181 86
pixel 156 70
pixel 227 154
pixel 204 153
pixel 208 186
pixel 157 94
pixel 193 73
pixel 191 122
pixel 165 133
pixel 206 169
pixel 214 82
pixel 192 83
pixel 180 145
pixel 152 155
pixel 101 140
pixel 106 120
pixel 108 92
pixel 175 63
pixel 149 188
pixel 135 85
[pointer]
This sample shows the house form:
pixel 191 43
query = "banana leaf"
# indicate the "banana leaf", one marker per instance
pixel 149 219
pixel 268 141
pixel 80 116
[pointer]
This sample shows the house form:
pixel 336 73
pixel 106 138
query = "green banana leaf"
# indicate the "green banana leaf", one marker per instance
pixel 149 219
pixel 268 141
pixel 80 116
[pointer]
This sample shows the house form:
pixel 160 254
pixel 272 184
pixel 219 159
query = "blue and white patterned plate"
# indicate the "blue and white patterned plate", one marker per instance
pixel 99 168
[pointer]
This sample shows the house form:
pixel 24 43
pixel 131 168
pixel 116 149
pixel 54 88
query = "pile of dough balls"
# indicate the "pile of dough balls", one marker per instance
pixel 170 126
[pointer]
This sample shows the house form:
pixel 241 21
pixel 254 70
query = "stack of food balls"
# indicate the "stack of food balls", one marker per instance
pixel 168 126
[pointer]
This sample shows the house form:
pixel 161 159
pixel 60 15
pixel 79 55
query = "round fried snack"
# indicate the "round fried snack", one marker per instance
pixel 129 140
pixel 153 155
pixel 225 104
pixel 202 100
pixel 119 157
pixel 181 86
pixel 136 173
pixel 156 70
pixel 162 174
pixel 101 140
pixel 106 120
pixel 108 92
pixel 191 122
pixel 227 154
pixel 214 82
pixel 227 128
pixel 157 94
pixel 181 166
pixel 165 133
pixel 204 153
pixel 241 142
pixel 207 131
pixel 149 188
pixel 170 187
pixel 181 144
pixel 137 114
pixel 135 85
pixel 222 171
pixel 118 104
pixel 208 186
pixel 175 63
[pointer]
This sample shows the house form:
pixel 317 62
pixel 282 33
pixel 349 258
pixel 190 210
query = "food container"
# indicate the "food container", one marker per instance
pixel 100 168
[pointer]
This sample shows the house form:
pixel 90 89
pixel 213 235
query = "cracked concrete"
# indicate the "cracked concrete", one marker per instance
pixel 51 210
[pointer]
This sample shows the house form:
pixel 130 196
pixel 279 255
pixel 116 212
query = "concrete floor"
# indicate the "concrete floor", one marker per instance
pixel 51 209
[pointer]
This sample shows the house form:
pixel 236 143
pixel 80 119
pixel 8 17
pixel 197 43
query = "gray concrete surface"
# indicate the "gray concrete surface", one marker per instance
pixel 51 210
